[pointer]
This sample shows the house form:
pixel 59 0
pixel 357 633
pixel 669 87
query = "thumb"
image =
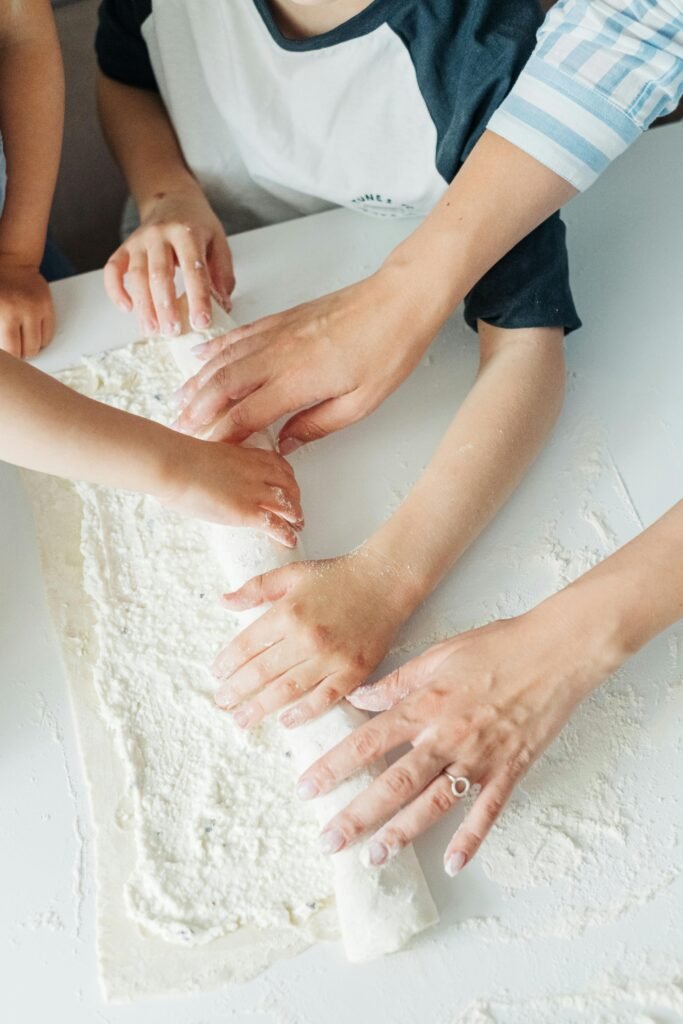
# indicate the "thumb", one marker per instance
pixel 400 683
pixel 270 586
pixel 319 421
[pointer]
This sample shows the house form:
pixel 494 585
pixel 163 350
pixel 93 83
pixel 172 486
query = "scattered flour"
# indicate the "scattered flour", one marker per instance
pixel 220 844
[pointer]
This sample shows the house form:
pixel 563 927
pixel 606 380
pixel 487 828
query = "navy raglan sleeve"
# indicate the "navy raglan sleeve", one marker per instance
pixel 120 46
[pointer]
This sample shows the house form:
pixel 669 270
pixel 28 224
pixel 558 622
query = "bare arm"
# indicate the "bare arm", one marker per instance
pixel 177 225
pixel 50 428
pixel 323 609
pixel 31 122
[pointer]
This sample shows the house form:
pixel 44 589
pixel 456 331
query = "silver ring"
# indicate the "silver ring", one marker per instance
pixel 460 785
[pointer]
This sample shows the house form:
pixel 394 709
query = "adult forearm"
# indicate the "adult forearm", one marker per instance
pixel 142 140
pixel 499 197
pixel 628 599
pixel 497 432
pixel 95 442
pixel 31 121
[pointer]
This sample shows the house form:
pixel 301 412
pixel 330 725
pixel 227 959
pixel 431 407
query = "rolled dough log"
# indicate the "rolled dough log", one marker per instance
pixel 379 908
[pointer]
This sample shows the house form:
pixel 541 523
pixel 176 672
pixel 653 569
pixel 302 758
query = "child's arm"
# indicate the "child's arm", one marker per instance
pixel 31 121
pixel 48 427
pixel 177 225
pixel 335 620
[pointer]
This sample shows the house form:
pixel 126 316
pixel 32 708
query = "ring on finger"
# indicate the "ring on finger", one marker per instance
pixel 460 784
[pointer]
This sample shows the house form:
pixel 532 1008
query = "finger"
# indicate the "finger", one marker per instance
pixel 276 528
pixel 138 286
pixel 371 740
pixel 114 272
pixel 162 287
pixel 285 503
pixel 268 587
pixel 224 354
pixel 478 823
pixel 10 339
pixel 255 412
pixel 219 261
pixel 281 692
pixel 192 260
pixel 394 788
pixel 435 800
pixel 403 681
pixel 31 337
pixel 320 700
pixel 256 638
pixel 256 673
pixel 316 423
pixel 226 385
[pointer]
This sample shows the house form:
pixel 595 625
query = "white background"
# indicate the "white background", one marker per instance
pixel 626 384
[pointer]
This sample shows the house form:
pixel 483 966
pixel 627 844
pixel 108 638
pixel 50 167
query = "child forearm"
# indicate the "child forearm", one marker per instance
pixel 497 432
pixel 141 137
pixel 45 426
pixel 31 121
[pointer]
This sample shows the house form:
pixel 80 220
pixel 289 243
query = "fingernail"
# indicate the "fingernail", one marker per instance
pixel 150 327
pixel 289 445
pixel 123 307
pixel 455 863
pixel 242 717
pixel 201 348
pixel 225 698
pixel 200 321
pixel 306 789
pixel 178 396
pixel 174 329
pixel 292 717
pixel 332 841
pixel 378 853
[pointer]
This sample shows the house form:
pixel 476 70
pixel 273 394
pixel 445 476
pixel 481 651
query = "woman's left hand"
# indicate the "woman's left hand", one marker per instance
pixel 330 625
pixel 482 706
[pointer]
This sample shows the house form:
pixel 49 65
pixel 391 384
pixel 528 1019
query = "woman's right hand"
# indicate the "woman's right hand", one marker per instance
pixel 177 229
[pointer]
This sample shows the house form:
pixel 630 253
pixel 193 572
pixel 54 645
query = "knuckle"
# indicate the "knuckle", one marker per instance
pixel 331 694
pixel 366 743
pixel 400 782
pixel 440 800
pixel 519 762
pixel 395 837
pixel 290 689
pixel 493 807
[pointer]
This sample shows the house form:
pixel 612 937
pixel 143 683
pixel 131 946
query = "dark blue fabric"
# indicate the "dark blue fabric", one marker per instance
pixel 55 264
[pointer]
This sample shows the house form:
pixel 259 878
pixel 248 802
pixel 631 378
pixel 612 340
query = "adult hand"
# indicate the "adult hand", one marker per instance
pixel 331 624
pixel 336 358
pixel 27 319
pixel 482 706
pixel 177 229
pixel 236 486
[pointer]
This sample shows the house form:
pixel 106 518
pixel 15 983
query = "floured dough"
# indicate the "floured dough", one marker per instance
pixel 207 867
pixel 380 908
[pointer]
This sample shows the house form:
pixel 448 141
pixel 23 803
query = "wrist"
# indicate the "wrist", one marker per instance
pixel 174 453
pixel 398 585
pixel 181 186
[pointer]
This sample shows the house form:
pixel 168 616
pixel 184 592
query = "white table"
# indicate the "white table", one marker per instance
pixel 625 396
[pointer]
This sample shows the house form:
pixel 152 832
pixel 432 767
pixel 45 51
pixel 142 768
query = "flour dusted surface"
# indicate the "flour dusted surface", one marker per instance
pixel 220 842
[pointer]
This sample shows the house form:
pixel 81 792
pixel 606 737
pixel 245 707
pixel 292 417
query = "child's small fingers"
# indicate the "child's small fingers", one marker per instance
pixel 114 272
pixel 192 261
pixel 162 287
pixel 138 286
pixel 277 695
pixel 284 503
pixel 329 692
pixel 276 528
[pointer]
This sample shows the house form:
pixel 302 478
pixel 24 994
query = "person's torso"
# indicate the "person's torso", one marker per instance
pixel 376 115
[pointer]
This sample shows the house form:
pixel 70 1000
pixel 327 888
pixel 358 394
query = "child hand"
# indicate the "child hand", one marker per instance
pixel 222 483
pixel 27 319
pixel 178 229
pixel 330 626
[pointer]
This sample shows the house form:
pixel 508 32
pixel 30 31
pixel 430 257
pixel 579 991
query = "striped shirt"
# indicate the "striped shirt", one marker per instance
pixel 601 73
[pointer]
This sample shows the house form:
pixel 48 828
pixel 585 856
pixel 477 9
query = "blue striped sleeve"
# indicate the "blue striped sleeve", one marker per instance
pixel 602 72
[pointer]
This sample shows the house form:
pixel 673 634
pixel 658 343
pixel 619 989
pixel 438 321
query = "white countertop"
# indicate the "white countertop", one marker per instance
pixel 625 403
